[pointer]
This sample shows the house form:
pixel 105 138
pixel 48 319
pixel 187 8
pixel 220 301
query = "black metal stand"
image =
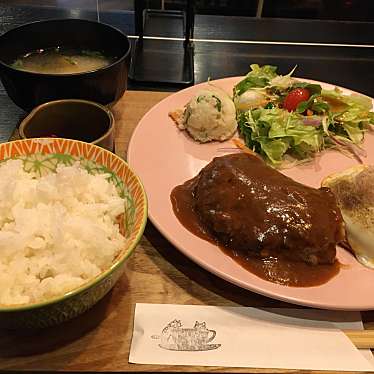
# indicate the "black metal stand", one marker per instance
pixel 158 60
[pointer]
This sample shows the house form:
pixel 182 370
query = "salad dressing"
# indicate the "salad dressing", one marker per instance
pixel 335 105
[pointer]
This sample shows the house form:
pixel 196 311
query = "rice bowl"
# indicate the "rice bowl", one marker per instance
pixel 97 274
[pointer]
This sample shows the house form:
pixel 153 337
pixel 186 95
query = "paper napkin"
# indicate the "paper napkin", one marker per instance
pixel 246 337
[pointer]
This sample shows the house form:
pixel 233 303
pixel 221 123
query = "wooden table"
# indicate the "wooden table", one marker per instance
pixel 100 339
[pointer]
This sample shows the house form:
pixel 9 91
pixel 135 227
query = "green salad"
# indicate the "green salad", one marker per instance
pixel 284 119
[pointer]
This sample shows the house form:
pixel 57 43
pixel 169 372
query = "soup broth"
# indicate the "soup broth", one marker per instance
pixel 62 61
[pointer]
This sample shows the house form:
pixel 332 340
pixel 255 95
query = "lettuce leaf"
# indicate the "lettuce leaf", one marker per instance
pixel 351 113
pixel 274 149
pixel 311 87
pixel 273 132
pixel 354 132
pixel 258 77
pixel 355 100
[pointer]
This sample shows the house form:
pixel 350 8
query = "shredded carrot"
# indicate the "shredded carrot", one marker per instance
pixel 309 112
pixel 244 148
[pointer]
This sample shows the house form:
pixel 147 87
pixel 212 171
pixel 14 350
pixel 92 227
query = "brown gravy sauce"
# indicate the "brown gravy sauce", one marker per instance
pixel 273 269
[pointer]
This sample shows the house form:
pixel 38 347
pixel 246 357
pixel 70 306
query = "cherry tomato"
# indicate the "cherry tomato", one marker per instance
pixel 294 98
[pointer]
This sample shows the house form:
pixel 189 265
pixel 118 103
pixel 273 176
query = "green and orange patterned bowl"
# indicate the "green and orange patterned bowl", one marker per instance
pixel 42 155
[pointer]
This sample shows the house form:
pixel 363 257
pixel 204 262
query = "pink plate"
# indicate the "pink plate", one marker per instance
pixel 165 157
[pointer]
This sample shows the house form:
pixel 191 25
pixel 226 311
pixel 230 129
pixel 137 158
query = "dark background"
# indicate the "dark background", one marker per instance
pixel 354 10
pixel 328 40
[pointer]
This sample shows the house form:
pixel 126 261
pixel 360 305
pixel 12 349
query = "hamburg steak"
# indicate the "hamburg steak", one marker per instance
pixel 257 211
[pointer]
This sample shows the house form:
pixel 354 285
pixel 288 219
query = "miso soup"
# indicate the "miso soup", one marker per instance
pixel 62 61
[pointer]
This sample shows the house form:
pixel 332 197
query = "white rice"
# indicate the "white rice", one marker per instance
pixel 56 231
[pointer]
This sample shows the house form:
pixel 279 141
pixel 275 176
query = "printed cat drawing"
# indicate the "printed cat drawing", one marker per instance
pixel 178 338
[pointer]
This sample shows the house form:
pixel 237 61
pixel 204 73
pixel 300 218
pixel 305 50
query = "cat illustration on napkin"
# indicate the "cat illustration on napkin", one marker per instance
pixel 174 337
